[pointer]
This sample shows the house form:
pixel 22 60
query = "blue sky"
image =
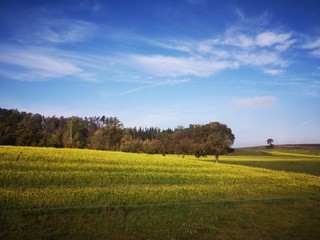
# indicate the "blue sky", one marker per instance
pixel 253 65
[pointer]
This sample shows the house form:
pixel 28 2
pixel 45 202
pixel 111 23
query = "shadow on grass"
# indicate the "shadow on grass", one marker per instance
pixel 309 167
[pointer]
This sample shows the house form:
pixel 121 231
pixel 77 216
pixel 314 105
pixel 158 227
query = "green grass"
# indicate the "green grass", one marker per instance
pixel 300 161
pixel 264 219
pixel 48 193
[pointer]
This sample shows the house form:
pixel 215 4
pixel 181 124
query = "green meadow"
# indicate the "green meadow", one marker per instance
pixel 48 193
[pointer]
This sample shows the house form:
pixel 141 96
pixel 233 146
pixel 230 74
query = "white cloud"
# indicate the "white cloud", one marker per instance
pixel 204 47
pixel 312 44
pixel 181 66
pixel 256 102
pixel 238 46
pixel 239 40
pixel 34 62
pixel 37 64
pixel 267 39
pixel 182 46
pixel 274 72
pixel 260 58
pixel 280 42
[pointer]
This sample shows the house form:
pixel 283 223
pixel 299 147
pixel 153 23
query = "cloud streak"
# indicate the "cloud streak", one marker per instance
pixel 34 65
pixel 236 48
pixel 66 31
pixel 314 47
pixel 274 72
pixel 181 66
pixel 255 102
pixel 153 85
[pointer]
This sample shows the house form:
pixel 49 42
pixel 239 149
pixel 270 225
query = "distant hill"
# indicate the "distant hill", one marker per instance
pixel 256 151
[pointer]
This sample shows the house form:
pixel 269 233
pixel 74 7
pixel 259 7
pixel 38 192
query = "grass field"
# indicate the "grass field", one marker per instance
pixel 300 161
pixel 48 193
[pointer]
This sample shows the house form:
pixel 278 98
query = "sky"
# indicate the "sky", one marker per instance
pixel 253 65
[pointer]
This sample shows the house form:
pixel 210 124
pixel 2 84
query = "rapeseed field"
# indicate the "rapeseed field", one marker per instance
pixel 57 178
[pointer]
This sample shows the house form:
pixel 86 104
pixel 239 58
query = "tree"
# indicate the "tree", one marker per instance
pixel 181 141
pixel 52 133
pixel 270 141
pixel 29 130
pixel 108 133
pixel 9 122
pixel 165 142
pixel 113 131
pixel 75 135
pixel 219 139
pixel 98 140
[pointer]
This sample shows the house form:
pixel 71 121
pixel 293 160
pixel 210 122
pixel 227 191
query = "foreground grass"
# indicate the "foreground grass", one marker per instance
pixel 82 194
pixel 263 219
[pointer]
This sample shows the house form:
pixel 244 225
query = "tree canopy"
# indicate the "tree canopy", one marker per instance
pixel 108 133
pixel 270 141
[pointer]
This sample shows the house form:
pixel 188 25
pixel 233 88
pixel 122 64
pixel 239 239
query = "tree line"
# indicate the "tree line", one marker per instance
pixel 108 133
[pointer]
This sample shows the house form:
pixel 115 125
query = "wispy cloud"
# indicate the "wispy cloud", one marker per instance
pixel 255 102
pixel 251 21
pixel 265 39
pixel 274 72
pixel 153 85
pixel 281 40
pixel 181 66
pixel 250 42
pixel 238 40
pixel 65 31
pixel 260 58
pixel 314 46
pixel 36 64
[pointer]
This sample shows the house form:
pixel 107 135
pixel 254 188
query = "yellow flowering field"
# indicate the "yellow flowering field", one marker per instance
pixel 58 178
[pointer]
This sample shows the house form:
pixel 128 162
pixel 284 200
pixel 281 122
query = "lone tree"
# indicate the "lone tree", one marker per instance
pixel 219 139
pixel 270 141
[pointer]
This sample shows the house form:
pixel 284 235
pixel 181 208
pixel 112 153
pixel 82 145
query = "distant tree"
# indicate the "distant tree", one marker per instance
pixel 130 144
pixel 52 132
pixel 29 130
pixel 113 131
pixel 75 134
pixel 165 142
pixel 199 150
pixel 98 140
pixel 108 133
pixel 269 142
pixel 9 121
pixel 181 141
pixel 151 146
